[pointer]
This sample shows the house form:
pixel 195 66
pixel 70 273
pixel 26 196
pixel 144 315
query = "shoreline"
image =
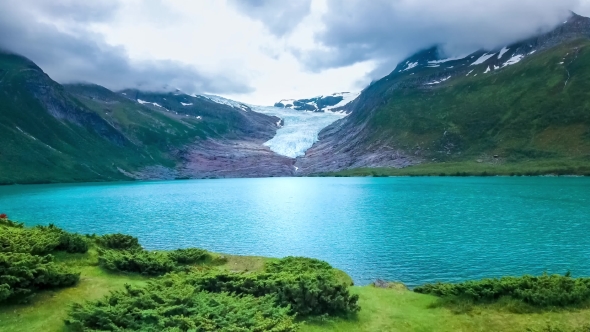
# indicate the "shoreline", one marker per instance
pixel 330 175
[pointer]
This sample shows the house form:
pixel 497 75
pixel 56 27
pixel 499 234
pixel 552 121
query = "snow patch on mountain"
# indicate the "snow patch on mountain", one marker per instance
pixel 514 60
pixel 435 62
pixel 410 65
pixel 439 81
pixel 502 52
pixel 347 98
pixel 319 103
pixel 485 57
pixel 143 102
pixel 228 102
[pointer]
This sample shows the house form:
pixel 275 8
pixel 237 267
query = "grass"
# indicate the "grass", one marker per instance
pixel 49 309
pixel 391 309
pixel 474 168
pixel 403 310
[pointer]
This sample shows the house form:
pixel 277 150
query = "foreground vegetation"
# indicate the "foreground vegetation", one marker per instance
pixel 113 284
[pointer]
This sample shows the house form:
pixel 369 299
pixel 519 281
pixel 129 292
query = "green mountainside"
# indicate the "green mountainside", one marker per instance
pixel 528 102
pixel 84 132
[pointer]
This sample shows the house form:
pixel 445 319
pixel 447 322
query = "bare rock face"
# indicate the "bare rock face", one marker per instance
pixel 233 158
pixel 342 146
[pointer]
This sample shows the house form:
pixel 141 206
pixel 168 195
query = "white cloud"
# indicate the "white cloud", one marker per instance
pixel 257 58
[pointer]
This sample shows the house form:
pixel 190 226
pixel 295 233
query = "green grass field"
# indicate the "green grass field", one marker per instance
pixel 394 309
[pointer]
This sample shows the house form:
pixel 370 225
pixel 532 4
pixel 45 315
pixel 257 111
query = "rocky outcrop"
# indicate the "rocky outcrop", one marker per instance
pixel 217 158
pixel 342 146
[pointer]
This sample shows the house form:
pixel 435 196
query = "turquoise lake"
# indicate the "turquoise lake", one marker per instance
pixel 414 230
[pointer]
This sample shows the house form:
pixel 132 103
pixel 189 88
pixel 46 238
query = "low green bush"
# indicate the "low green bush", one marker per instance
pixel 39 240
pixel 215 300
pixel 119 241
pixel 543 291
pixel 189 256
pixel 297 265
pixel 72 243
pixel 306 293
pixel 22 274
pixel 137 261
pixel 150 263
pixel 162 306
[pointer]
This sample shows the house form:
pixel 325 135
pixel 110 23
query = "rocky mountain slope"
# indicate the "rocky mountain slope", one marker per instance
pixel 525 101
pixel 335 102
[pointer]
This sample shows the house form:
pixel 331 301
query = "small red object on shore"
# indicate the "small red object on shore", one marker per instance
pixel 3 216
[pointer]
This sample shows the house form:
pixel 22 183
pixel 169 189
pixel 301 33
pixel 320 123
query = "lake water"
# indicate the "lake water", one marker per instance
pixel 414 230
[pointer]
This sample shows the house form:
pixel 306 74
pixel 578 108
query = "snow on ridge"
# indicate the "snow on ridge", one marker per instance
pixel 504 50
pixel 435 62
pixel 410 65
pixel 485 57
pixel 487 70
pixel 186 104
pixel 224 101
pixel 439 82
pixel 346 99
pixel 469 73
pixel 514 60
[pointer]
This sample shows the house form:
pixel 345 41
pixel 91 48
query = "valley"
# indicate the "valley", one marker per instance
pixel 517 110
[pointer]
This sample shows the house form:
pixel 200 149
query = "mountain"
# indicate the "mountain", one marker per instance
pixel 521 104
pixel 525 102
pixel 334 102
pixel 85 132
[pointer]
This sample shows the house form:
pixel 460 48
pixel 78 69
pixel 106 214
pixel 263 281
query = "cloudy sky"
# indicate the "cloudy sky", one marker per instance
pixel 258 51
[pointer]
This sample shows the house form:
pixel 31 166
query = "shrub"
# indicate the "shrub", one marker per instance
pixel 22 274
pixel 40 240
pixel 305 293
pixel 543 291
pixel 189 256
pixel 72 243
pixel 119 241
pixel 136 261
pixel 179 307
pixel 297 265
pixel 3 216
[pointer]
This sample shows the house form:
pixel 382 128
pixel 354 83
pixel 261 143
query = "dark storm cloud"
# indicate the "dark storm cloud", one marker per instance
pixel 32 28
pixel 279 17
pixel 387 31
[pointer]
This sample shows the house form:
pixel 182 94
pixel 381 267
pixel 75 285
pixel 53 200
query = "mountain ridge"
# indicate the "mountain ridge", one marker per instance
pixel 393 123
pixel 524 102
pixel 335 102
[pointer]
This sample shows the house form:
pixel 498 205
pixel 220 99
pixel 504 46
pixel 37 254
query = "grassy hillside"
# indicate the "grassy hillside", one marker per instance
pixel 84 132
pixel 386 307
pixel 522 112
pixel 526 112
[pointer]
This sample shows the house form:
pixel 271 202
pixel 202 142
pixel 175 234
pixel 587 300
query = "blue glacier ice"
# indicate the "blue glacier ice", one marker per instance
pixel 299 131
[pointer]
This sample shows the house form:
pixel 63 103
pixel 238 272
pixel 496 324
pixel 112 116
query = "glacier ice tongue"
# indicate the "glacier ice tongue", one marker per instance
pixel 300 128
pixel 299 131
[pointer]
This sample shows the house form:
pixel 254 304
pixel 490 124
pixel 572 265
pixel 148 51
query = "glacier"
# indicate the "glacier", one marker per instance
pixel 300 128
pixel 299 131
